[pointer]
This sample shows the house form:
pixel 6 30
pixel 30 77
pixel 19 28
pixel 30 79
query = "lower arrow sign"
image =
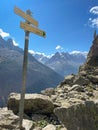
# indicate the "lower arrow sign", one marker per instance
pixel 32 29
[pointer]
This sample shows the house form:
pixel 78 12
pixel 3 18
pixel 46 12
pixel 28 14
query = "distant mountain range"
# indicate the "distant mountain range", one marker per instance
pixel 39 76
pixel 62 62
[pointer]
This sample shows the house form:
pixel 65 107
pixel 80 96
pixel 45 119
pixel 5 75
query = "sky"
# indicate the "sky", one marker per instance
pixel 69 24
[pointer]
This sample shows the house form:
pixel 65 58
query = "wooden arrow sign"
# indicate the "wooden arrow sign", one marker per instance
pixel 32 29
pixel 25 16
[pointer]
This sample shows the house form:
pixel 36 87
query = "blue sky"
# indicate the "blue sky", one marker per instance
pixel 69 24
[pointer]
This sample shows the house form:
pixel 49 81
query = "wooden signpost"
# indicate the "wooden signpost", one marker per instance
pixel 29 26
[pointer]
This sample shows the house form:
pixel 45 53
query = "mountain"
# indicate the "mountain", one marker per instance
pixel 72 105
pixel 62 62
pixel 39 76
pixel 41 57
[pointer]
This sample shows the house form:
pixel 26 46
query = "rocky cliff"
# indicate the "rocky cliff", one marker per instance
pixel 73 103
pixel 92 58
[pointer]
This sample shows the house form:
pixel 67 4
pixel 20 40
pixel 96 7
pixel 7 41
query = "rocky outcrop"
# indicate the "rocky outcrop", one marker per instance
pixel 9 121
pixel 83 116
pixel 38 108
pixel 92 58
pixel 77 104
pixel 78 95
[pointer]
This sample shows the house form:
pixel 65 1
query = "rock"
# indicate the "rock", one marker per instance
pixel 93 78
pixel 38 117
pixel 66 88
pixel 60 91
pixel 37 128
pixel 69 79
pixel 65 104
pixel 83 116
pixel 63 129
pixel 92 58
pixel 96 72
pixel 90 94
pixel 49 127
pixel 77 88
pixel 53 97
pixel 9 121
pixel 83 73
pixel 81 80
pixel 27 124
pixel 48 91
pixel 75 101
pixel 34 103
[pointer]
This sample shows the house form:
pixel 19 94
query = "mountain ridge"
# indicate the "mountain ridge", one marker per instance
pixel 39 76
pixel 63 63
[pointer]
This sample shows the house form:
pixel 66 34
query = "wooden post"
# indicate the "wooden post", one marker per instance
pixel 24 74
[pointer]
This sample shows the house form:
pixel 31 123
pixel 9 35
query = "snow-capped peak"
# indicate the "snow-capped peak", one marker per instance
pixel 79 52
pixel 40 54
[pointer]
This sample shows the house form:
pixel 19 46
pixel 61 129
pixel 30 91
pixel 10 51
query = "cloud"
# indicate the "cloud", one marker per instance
pixel 93 22
pixel 94 10
pixel 39 53
pixel 4 34
pixel 75 52
pixel 15 43
pixel 34 53
pixel 58 47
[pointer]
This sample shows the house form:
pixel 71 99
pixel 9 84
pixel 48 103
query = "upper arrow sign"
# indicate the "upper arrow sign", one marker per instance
pixel 25 16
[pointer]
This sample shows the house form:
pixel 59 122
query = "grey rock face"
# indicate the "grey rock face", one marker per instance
pixel 92 58
pixel 80 116
pixel 78 96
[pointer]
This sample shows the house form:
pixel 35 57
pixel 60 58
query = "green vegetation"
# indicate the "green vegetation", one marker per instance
pixel 41 123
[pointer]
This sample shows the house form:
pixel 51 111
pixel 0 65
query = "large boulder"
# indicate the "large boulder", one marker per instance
pixel 82 116
pixel 34 103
